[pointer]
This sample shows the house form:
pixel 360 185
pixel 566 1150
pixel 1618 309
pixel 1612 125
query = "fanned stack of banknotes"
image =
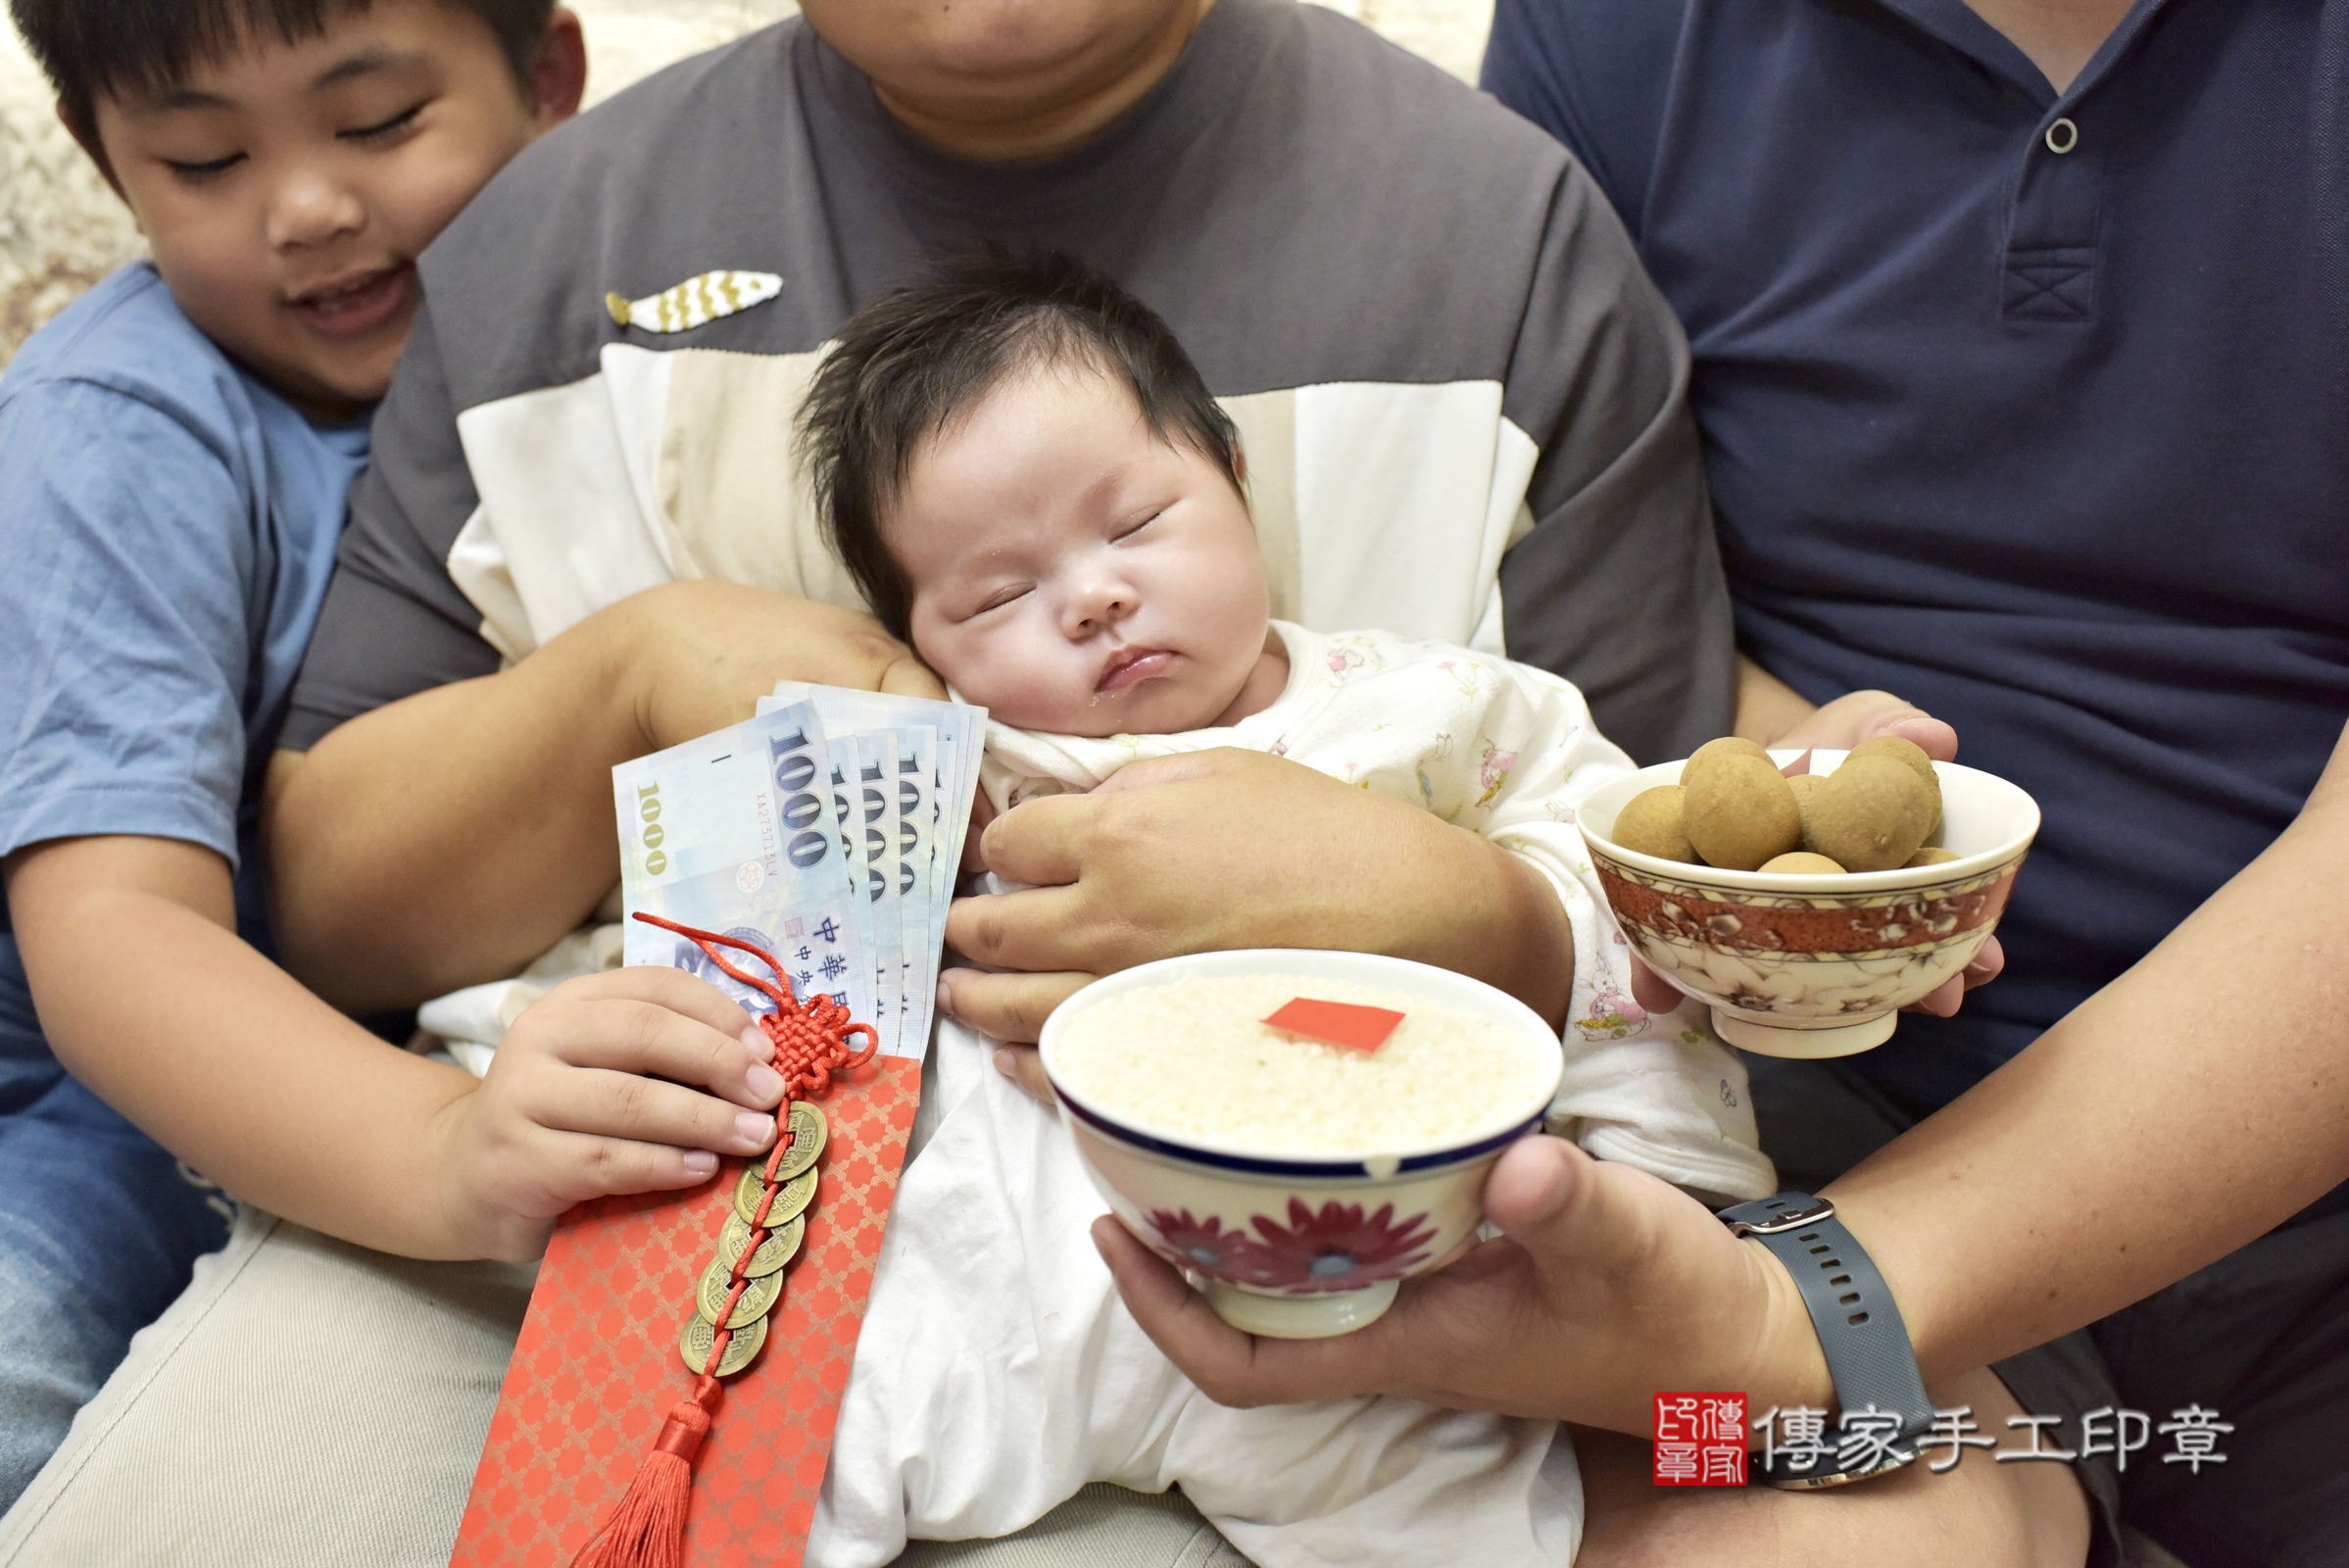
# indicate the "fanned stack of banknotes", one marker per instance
pixel 827 830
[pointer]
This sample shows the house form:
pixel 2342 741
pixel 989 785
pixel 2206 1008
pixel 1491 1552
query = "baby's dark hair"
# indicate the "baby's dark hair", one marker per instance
pixel 106 48
pixel 912 361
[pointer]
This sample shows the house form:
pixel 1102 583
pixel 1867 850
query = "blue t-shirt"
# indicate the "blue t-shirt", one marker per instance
pixel 167 527
pixel 2031 407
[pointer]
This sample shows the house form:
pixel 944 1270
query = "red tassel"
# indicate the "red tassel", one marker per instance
pixel 648 1529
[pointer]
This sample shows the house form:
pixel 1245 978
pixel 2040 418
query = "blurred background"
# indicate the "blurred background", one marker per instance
pixel 61 229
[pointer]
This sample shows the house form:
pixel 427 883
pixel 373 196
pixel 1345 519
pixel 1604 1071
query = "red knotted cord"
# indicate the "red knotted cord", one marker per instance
pixel 811 1043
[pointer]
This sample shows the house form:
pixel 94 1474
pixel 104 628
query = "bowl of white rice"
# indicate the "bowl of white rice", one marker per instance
pixel 1296 1183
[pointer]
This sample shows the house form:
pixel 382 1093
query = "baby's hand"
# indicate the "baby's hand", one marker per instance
pixel 634 1081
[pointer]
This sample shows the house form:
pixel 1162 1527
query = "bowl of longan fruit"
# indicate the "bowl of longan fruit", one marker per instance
pixel 1807 897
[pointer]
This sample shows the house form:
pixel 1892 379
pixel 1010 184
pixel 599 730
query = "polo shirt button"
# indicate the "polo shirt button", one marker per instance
pixel 2062 136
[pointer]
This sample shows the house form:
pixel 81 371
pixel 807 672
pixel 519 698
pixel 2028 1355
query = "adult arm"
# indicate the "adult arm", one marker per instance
pixel 452 820
pixel 1230 848
pixel 452 836
pixel 2186 1108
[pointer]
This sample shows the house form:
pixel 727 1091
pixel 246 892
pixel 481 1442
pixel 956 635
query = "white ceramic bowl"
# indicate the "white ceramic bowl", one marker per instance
pixel 1816 965
pixel 1290 1246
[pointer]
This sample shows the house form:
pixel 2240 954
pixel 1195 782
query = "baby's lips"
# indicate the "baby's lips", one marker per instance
pixel 1131 667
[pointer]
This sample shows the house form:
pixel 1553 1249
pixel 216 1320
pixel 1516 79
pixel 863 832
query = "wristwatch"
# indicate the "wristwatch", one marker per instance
pixel 1868 1352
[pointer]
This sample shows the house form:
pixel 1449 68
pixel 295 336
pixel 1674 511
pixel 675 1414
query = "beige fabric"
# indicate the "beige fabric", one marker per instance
pixel 1101 1527
pixel 306 1401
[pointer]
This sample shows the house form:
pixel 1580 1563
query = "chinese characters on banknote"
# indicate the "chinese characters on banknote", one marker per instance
pixel 827 830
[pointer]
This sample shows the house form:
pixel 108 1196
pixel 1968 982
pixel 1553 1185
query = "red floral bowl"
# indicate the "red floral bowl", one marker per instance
pixel 1816 965
pixel 1296 1247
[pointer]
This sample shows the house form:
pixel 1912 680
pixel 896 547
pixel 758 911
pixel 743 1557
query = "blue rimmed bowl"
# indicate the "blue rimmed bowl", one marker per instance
pixel 1292 1245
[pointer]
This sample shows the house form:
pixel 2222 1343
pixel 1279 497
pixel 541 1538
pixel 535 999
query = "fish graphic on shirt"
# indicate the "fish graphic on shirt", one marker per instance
pixel 696 302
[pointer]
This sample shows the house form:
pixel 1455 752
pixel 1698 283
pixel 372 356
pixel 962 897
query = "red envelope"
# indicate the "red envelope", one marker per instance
pixel 1337 1023
pixel 596 1367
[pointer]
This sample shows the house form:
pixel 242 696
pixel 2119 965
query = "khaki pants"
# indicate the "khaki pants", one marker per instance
pixel 306 1401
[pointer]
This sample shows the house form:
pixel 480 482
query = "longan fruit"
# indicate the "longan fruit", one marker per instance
pixel 1739 810
pixel 1804 785
pixel 1727 746
pixel 1870 814
pixel 1801 863
pixel 1650 823
pixel 1912 755
pixel 1933 857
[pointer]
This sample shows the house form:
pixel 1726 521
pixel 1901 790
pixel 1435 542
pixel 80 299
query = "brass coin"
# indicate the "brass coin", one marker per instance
pixel 694 1345
pixel 758 1297
pixel 791 1201
pixel 808 1130
pixel 781 1248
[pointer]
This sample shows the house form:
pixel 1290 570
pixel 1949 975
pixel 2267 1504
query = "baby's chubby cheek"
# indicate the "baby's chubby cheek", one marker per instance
pixel 1027 688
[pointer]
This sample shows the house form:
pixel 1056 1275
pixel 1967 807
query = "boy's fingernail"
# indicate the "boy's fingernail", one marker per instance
pixel 700 1161
pixel 753 1128
pixel 1008 1064
pixel 946 998
pixel 762 1081
pixel 761 1046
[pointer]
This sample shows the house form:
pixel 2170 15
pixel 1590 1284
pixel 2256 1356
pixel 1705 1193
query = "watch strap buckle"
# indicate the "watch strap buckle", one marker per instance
pixel 1770 1216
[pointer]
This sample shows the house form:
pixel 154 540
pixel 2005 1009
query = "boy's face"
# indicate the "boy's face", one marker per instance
pixel 1073 572
pixel 288 188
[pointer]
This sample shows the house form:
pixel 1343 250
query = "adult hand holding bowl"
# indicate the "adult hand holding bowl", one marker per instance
pixel 1295 1184
pixel 1816 964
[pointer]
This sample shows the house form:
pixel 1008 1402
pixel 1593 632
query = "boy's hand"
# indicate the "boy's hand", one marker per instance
pixel 634 1081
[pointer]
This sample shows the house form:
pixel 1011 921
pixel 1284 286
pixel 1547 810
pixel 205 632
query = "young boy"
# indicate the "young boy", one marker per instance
pixel 1029 480
pixel 174 450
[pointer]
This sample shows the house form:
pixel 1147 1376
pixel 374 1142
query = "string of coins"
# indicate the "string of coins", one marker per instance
pixel 761 1235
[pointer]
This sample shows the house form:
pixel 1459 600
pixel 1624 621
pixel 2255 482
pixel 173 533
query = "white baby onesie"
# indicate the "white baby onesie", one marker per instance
pixel 997 1372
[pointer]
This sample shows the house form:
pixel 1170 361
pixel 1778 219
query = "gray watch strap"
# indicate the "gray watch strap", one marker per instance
pixel 1867 1345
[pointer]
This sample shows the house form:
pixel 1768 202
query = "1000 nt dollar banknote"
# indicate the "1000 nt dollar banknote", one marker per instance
pixel 735 833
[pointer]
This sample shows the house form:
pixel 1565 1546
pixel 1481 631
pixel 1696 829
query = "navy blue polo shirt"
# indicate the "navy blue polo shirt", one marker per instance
pixel 2032 407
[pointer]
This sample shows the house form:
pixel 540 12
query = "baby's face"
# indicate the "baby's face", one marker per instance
pixel 1073 572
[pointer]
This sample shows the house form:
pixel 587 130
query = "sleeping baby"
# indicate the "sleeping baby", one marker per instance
pixel 1028 478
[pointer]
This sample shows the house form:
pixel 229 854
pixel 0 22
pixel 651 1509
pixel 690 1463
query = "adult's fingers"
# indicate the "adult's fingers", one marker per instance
pixel 1937 738
pixel 1024 1067
pixel 982 813
pixel 1010 1006
pixel 1945 998
pixel 1040 842
pixel 1577 1220
pixel 1035 929
pixel 1861 716
pixel 1652 990
pixel 1231 1367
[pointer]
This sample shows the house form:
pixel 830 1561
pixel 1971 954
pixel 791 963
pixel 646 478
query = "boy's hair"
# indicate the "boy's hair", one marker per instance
pixel 912 361
pixel 105 48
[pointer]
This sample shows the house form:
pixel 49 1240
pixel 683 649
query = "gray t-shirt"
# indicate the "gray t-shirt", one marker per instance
pixel 1424 317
